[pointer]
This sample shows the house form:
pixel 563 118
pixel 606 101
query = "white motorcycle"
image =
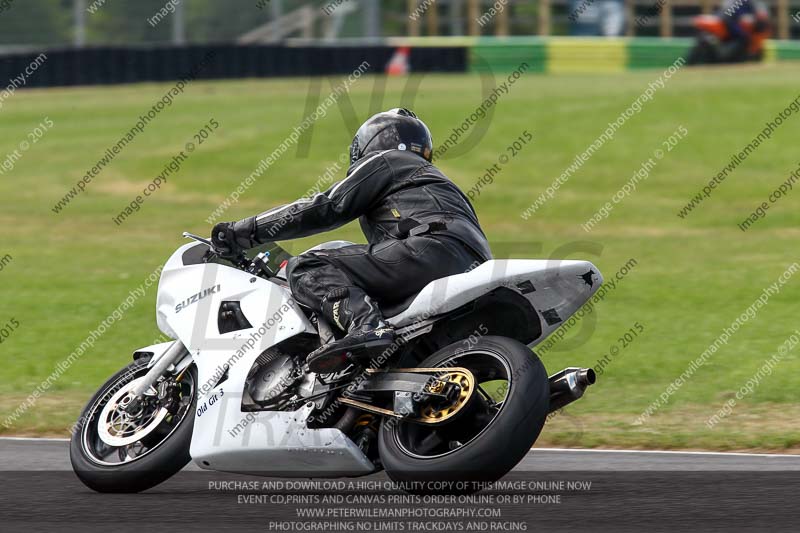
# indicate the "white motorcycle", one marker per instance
pixel 458 396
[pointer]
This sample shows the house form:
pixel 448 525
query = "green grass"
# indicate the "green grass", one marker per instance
pixel 693 278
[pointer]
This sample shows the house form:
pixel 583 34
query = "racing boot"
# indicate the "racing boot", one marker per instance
pixel 351 310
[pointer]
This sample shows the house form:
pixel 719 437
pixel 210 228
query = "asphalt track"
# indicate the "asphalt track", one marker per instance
pixel 550 490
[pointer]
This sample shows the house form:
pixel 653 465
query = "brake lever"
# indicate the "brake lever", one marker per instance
pixel 211 253
pixel 205 241
pixel 240 259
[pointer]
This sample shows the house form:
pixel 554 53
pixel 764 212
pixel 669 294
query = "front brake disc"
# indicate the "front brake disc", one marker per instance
pixel 117 428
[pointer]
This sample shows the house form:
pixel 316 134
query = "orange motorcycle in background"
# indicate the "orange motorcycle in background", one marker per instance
pixel 714 42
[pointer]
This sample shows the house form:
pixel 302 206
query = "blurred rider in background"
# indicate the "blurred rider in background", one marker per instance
pixel 732 13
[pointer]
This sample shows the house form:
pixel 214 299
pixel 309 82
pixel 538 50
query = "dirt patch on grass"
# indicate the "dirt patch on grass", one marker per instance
pixel 52 416
pixel 120 187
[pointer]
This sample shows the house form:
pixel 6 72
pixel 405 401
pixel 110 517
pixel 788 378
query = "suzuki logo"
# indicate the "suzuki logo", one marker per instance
pixel 196 298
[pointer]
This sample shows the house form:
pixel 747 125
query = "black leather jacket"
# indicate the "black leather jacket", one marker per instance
pixel 388 192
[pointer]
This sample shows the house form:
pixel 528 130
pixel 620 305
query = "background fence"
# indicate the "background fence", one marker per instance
pixel 31 23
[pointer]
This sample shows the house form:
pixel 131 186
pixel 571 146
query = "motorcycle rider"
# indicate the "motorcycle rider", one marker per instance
pixel 419 226
pixel 732 12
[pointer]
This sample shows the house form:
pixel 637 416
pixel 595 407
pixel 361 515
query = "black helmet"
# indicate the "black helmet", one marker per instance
pixel 397 128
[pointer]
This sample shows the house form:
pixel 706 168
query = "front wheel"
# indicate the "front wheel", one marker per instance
pixel 703 53
pixel 491 434
pixel 112 450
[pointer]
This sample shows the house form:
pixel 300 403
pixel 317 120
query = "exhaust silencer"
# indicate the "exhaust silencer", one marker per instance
pixel 569 385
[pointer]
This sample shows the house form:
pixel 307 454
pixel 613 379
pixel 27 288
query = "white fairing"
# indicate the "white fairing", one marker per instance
pixel 555 289
pixel 225 437
pixel 280 443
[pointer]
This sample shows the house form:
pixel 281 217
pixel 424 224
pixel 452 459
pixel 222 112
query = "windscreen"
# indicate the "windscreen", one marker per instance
pixel 196 254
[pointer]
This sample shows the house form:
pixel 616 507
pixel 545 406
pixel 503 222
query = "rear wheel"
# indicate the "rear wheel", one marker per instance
pixel 112 450
pixel 489 435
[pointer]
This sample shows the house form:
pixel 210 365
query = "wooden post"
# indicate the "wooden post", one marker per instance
pixel 413 22
pixel 630 14
pixel 783 19
pixel 433 19
pixel 666 19
pixel 473 12
pixel 544 17
pixel 501 27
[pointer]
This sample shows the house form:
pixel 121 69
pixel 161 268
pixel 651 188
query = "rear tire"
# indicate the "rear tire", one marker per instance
pixel 166 458
pixel 501 444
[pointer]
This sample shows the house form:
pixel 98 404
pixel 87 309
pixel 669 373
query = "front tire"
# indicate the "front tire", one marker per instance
pixel 460 450
pixel 161 453
pixel 703 53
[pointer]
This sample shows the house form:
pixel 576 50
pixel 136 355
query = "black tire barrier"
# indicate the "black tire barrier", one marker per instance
pixel 114 65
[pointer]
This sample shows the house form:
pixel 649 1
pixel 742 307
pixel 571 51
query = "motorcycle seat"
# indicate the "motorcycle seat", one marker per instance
pixel 391 309
pixel 543 282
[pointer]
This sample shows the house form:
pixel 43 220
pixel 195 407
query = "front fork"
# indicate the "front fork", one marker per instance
pixel 174 354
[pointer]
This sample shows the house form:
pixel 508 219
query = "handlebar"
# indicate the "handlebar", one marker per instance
pixel 258 265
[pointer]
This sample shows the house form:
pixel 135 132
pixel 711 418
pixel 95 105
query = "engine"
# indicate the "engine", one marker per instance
pixel 270 383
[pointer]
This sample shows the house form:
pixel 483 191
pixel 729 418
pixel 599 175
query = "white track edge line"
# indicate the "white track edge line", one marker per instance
pixel 669 452
pixel 34 439
pixel 569 450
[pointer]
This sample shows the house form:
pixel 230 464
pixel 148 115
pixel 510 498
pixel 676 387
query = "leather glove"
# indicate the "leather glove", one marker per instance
pixel 232 238
pixel 224 238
